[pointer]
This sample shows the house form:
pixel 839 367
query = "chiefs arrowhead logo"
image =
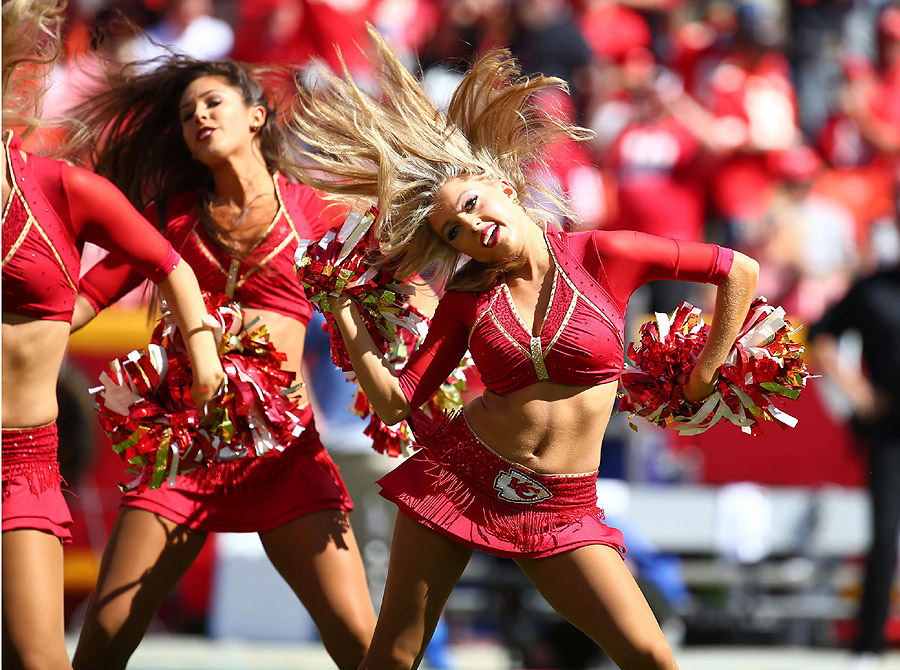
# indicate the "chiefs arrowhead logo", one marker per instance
pixel 518 487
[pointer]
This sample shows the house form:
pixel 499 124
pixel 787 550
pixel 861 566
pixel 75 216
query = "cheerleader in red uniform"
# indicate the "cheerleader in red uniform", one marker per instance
pixel 200 142
pixel 542 313
pixel 49 210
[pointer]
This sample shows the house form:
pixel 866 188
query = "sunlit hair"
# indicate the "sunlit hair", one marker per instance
pixel 31 43
pixel 132 130
pixel 399 150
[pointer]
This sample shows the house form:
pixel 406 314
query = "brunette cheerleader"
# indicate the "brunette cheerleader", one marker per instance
pixel 214 180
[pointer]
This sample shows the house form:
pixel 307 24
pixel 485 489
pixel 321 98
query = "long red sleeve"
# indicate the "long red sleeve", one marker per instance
pixel 443 348
pixel 624 260
pixel 101 214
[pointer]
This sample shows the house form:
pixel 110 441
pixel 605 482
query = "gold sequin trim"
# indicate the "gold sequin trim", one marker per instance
pixel 31 222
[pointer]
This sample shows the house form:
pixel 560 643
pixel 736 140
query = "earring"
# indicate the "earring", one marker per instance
pixel 510 191
pixel 254 127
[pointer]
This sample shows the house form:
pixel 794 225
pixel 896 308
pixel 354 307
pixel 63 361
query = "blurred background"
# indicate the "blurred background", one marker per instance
pixel 771 126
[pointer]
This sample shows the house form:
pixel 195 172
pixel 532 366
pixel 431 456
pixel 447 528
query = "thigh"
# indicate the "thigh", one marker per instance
pixel 593 588
pixel 318 557
pixel 423 571
pixel 144 558
pixel 33 625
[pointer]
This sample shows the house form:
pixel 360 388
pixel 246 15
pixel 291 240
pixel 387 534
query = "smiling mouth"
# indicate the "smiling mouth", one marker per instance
pixel 204 133
pixel 489 236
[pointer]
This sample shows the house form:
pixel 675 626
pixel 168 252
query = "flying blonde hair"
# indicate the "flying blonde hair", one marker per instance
pixel 397 152
pixel 31 43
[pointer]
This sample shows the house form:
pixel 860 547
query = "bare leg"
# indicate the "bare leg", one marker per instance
pixel 33 626
pixel 145 557
pixel 318 557
pixel 593 589
pixel 425 567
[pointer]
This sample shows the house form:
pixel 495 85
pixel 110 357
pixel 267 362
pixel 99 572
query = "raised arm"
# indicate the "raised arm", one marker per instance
pixel 101 214
pixel 733 299
pixel 630 259
pixel 394 397
pixel 375 375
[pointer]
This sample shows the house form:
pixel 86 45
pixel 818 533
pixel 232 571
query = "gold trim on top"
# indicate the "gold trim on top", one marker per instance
pixel 233 282
pixel 206 252
pixel 32 222
pixel 15 247
pixel 6 142
pixel 483 315
pixel 56 255
pixel 588 301
pixel 519 318
pixel 565 322
pixel 282 208
pixel 268 259
pixel 509 337
pixel 537 359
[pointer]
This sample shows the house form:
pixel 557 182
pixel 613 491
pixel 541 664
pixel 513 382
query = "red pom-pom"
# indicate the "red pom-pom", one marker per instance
pixel 341 263
pixel 144 403
pixel 764 364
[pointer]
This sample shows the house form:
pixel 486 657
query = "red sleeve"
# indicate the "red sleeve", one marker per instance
pixel 107 282
pixel 629 259
pixel 101 214
pixel 112 278
pixel 443 348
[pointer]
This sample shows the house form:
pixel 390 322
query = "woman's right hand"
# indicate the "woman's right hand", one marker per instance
pixel 339 303
pixel 182 294
pixel 375 375
pixel 205 387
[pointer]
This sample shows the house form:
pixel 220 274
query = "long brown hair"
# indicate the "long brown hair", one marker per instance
pixel 398 151
pixel 31 44
pixel 134 137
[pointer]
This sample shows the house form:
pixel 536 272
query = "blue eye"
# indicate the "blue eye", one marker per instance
pixel 452 233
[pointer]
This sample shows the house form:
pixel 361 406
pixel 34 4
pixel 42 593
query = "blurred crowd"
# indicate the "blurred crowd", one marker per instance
pixel 770 126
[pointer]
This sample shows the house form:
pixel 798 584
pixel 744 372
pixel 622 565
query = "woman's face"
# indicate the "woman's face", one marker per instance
pixel 215 122
pixel 480 218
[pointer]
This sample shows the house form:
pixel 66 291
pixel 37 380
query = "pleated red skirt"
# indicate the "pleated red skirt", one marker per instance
pixel 252 495
pixel 458 486
pixel 31 483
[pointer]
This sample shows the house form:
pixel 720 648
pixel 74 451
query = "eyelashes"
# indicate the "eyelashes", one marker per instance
pixel 186 116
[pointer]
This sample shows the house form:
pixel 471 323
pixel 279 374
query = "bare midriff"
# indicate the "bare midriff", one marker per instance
pixel 33 351
pixel 547 427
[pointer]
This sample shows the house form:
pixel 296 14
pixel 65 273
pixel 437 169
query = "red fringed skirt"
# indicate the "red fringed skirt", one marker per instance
pixel 458 486
pixel 252 494
pixel 32 495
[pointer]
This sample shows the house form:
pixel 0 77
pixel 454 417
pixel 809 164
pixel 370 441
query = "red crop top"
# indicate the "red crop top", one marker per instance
pixel 52 208
pixel 265 279
pixel 582 335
